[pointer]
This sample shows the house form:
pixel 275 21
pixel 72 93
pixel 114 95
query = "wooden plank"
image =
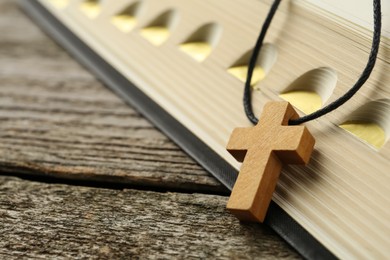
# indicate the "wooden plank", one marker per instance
pixel 57 120
pixel 332 184
pixel 59 221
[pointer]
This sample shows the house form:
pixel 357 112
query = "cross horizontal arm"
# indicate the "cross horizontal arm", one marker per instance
pixel 295 145
pixel 240 142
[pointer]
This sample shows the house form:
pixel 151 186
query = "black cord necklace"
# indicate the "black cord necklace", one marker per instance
pixel 335 104
pixel 277 138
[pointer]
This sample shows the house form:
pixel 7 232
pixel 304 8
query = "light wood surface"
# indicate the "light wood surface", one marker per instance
pixel 57 120
pixel 340 196
pixel 264 149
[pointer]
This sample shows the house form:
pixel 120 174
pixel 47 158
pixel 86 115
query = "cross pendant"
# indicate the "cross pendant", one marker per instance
pixel 263 149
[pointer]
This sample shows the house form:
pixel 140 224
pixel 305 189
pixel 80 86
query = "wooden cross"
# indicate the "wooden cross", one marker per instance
pixel 262 149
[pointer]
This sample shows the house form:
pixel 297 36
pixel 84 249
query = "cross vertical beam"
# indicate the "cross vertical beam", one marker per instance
pixel 263 149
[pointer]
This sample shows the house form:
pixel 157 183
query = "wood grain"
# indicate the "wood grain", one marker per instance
pixel 264 149
pixel 59 221
pixel 346 178
pixel 57 120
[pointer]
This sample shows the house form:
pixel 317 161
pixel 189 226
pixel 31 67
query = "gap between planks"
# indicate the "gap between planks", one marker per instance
pixel 59 221
pixel 58 122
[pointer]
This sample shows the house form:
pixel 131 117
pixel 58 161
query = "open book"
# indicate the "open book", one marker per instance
pixel 187 60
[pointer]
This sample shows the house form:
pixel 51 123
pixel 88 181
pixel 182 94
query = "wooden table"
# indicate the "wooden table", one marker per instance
pixel 84 175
